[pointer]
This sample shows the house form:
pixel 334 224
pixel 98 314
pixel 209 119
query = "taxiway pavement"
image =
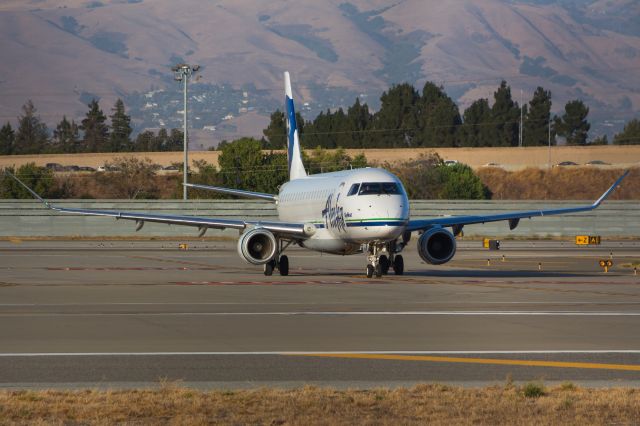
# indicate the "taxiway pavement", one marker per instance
pixel 124 314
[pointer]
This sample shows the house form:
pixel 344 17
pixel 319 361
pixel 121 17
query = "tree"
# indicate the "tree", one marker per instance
pixel 461 183
pixel 7 139
pixel 536 120
pixel 359 121
pixel 323 161
pixel 573 124
pixel 202 173
pixel 505 114
pixel 600 140
pixel 243 166
pixel 119 139
pixel 40 179
pixel 145 142
pixel 396 122
pixel 420 176
pixel 276 132
pixel 131 178
pixel 630 135
pixel 32 135
pixel 438 118
pixel 65 137
pixel 476 130
pixel 96 132
pixel 171 142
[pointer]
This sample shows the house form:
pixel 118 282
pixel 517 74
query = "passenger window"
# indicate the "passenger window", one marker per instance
pixel 354 189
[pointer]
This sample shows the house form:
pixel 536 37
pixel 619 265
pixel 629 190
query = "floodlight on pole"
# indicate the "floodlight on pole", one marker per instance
pixel 182 72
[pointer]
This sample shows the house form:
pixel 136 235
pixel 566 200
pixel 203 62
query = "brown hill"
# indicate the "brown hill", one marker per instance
pixel 63 51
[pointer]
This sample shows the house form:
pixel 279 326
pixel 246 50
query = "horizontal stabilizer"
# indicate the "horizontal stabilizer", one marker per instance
pixel 236 192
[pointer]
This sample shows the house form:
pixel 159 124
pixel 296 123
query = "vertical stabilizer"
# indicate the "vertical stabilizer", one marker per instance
pixel 296 168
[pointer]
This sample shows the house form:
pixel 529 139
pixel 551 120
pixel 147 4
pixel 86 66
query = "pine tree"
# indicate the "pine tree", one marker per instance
pixel 161 142
pixel 340 129
pixel 438 118
pixel 359 119
pixel 276 132
pixel 477 129
pixel 536 120
pixel 65 137
pixel 119 139
pixel 145 142
pixel 96 132
pixel 630 135
pixel 573 124
pixel 32 135
pixel 505 114
pixel 318 132
pixel 172 142
pixel 7 139
pixel 397 120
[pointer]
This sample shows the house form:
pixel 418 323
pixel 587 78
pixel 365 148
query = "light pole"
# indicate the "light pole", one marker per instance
pixel 182 72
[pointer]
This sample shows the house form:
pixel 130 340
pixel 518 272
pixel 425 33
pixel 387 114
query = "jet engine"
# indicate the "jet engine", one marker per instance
pixel 437 246
pixel 257 246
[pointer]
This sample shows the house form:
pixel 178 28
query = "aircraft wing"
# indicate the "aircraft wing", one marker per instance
pixel 512 217
pixel 299 230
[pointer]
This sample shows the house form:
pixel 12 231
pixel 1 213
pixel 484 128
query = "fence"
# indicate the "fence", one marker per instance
pixel 26 218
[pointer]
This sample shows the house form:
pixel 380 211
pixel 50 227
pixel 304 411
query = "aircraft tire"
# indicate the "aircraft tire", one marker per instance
pixel 398 265
pixel 284 266
pixel 385 264
pixel 369 271
pixel 378 270
pixel 268 268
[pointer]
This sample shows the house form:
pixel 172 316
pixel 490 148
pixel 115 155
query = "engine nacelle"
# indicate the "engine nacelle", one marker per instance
pixel 257 246
pixel 437 246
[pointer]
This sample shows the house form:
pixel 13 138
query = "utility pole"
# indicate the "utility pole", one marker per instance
pixel 549 139
pixel 521 109
pixel 182 72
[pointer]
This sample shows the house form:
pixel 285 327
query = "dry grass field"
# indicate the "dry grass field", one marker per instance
pixel 435 404
pixel 507 158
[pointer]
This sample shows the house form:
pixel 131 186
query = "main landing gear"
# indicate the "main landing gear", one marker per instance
pixel 382 257
pixel 281 263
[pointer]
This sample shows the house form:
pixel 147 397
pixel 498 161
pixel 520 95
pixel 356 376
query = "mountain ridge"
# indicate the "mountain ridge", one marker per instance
pixel 66 51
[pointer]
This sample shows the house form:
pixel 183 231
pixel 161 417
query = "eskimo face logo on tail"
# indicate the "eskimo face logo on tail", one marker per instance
pixel 333 214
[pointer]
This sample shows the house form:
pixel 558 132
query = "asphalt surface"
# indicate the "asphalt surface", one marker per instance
pixel 128 314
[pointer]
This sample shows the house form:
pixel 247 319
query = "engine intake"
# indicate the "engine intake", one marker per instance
pixel 257 246
pixel 437 246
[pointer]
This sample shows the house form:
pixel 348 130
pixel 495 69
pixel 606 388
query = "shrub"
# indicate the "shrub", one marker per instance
pixel 533 390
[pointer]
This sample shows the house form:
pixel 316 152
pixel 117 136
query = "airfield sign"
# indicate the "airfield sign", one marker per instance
pixel 585 240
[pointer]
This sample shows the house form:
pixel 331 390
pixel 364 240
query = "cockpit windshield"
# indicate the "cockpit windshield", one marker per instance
pixel 379 188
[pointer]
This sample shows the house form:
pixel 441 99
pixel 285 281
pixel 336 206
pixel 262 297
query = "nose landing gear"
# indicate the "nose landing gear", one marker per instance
pixel 382 257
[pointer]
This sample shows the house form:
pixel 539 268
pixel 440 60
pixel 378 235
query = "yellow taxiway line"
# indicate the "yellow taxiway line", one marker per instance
pixel 489 361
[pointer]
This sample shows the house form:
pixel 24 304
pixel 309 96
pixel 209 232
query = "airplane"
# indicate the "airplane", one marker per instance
pixel 346 212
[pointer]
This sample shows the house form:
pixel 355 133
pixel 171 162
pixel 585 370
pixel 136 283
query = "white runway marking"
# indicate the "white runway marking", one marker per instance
pixel 332 313
pixel 419 352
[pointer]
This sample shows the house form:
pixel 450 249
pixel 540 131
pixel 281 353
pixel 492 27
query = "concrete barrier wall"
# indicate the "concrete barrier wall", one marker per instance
pixel 26 218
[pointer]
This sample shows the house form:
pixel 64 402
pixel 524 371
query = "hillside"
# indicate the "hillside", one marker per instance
pixel 64 52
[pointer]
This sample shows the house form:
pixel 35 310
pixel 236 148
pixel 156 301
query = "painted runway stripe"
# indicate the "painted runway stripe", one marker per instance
pixel 484 361
pixel 330 313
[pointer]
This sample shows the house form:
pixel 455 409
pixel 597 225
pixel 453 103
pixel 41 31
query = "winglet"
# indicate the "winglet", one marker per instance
pixel 31 191
pixel 609 191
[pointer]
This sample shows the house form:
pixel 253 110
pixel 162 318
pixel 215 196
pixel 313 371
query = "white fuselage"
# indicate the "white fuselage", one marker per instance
pixel 348 208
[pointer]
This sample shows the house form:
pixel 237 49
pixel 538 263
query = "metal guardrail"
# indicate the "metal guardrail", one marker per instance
pixel 27 218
